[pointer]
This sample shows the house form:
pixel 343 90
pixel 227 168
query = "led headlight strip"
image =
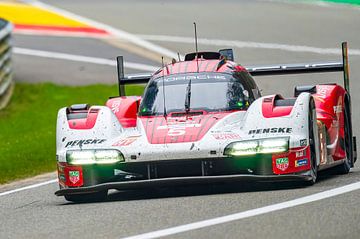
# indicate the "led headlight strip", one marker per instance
pixel 259 146
pixel 94 156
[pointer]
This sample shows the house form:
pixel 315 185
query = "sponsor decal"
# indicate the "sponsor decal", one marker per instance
pixel 301 153
pixel 225 136
pixel 60 169
pixel 61 174
pixel 337 109
pixel 62 177
pixel 115 106
pixel 301 162
pixel 127 141
pixel 195 77
pixel 183 120
pixel 177 129
pixel 74 176
pixel 282 163
pixel 322 92
pixel 82 142
pixel 271 131
pixel 303 142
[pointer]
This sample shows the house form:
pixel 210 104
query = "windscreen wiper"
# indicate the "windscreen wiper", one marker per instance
pixel 188 97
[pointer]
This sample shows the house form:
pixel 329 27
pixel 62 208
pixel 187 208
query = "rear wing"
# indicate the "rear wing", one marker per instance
pixel 308 68
pixel 283 69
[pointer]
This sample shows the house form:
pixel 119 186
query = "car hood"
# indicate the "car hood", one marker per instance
pixel 168 130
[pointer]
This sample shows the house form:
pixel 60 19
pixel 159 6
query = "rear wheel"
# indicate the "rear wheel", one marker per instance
pixel 313 143
pixel 344 168
pixel 87 197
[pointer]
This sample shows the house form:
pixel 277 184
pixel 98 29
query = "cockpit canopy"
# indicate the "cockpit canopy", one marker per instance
pixel 204 91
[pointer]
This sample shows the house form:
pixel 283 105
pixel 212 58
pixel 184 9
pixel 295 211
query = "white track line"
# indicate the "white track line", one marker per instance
pixel 113 31
pixel 249 44
pixel 250 213
pixel 28 187
pixel 78 58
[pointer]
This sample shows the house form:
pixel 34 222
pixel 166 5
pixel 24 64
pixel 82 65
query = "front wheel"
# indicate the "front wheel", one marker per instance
pixel 87 197
pixel 313 143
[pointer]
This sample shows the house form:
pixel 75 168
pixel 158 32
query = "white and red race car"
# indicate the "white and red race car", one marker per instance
pixel 203 120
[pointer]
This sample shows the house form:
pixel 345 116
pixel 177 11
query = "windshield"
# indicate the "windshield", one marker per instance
pixel 209 92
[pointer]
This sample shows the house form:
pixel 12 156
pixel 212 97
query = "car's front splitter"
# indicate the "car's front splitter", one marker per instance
pixel 179 181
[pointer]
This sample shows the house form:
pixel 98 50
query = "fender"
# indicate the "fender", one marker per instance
pixel 106 127
pixel 293 125
pixel 256 125
pixel 125 109
pixel 330 106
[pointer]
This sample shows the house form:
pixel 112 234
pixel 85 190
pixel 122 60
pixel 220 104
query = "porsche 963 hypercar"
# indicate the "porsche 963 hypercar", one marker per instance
pixel 203 120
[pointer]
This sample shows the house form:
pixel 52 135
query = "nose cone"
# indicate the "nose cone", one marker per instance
pixel 182 129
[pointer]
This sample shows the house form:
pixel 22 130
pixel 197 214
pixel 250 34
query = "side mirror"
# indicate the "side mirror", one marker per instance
pixel 228 54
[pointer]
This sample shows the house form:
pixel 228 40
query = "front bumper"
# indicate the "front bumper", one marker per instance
pixel 125 176
pixel 181 181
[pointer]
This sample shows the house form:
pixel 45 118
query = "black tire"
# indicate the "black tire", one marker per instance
pixel 344 168
pixel 312 143
pixel 87 197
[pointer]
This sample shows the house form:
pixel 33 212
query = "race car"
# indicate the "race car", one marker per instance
pixel 203 121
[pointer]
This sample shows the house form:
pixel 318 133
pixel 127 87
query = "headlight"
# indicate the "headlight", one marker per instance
pixel 260 146
pixel 98 156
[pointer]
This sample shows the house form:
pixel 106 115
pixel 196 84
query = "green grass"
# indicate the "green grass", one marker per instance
pixel 355 2
pixel 27 125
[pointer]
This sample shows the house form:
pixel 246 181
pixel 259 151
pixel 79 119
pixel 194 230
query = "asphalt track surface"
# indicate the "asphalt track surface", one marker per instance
pixel 37 213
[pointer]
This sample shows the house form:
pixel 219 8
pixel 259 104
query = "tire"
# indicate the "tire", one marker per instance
pixel 313 133
pixel 344 168
pixel 87 197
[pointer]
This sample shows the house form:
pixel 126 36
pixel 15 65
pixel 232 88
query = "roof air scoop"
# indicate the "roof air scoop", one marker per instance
pixel 207 55
pixel 210 55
